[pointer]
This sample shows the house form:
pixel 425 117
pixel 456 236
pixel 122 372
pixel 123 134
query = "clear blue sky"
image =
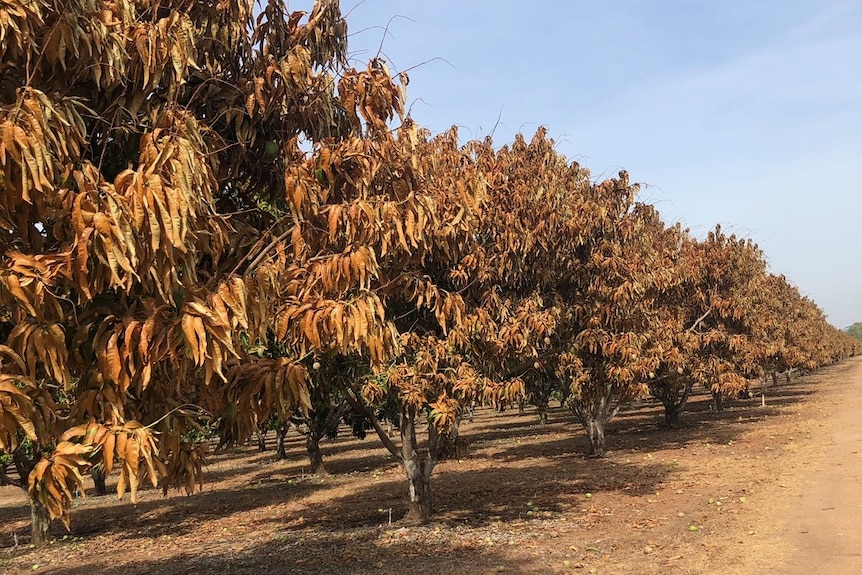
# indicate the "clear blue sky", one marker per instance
pixel 743 113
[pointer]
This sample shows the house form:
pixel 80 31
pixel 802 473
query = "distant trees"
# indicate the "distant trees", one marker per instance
pixel 855 330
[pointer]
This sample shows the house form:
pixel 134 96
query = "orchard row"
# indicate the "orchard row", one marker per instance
pixel 210 219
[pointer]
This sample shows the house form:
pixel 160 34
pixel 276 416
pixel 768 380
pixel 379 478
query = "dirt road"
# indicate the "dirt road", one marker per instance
pixel 824 523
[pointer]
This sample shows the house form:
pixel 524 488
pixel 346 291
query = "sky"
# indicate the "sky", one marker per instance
pixel 747 114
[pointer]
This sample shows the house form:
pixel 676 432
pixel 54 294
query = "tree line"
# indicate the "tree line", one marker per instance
pixel 855 330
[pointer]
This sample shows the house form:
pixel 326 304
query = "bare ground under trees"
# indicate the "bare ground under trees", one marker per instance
pixel 768 489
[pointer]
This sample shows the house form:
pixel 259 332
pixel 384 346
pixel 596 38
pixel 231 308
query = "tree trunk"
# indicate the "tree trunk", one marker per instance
pixel 261 441
pixel 596 435
pixel 25 461
pixel 565 394
pixel 594 416
pixel 98 474
pixel 39 523
pixel 418 468
pixel 280 435
pixel 419 476
pixel 774 378
pixel 447 444
pixel 717 401
pixel 787 376
pixel 521 407
pixel 672 411
pixel 315 456
pixel 541 400
pixel 674 399
pixel 543 416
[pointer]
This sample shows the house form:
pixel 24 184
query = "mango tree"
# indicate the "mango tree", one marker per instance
pixel 609 357
pixel 721 314
pixel 524 257
pixel 153 208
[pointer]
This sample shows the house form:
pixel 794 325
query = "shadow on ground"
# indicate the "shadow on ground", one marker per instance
pixel 338 524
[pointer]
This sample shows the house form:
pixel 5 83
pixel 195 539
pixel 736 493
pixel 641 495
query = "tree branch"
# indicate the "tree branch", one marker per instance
pixel 356 403
pixel 700 319
pixel 258 256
